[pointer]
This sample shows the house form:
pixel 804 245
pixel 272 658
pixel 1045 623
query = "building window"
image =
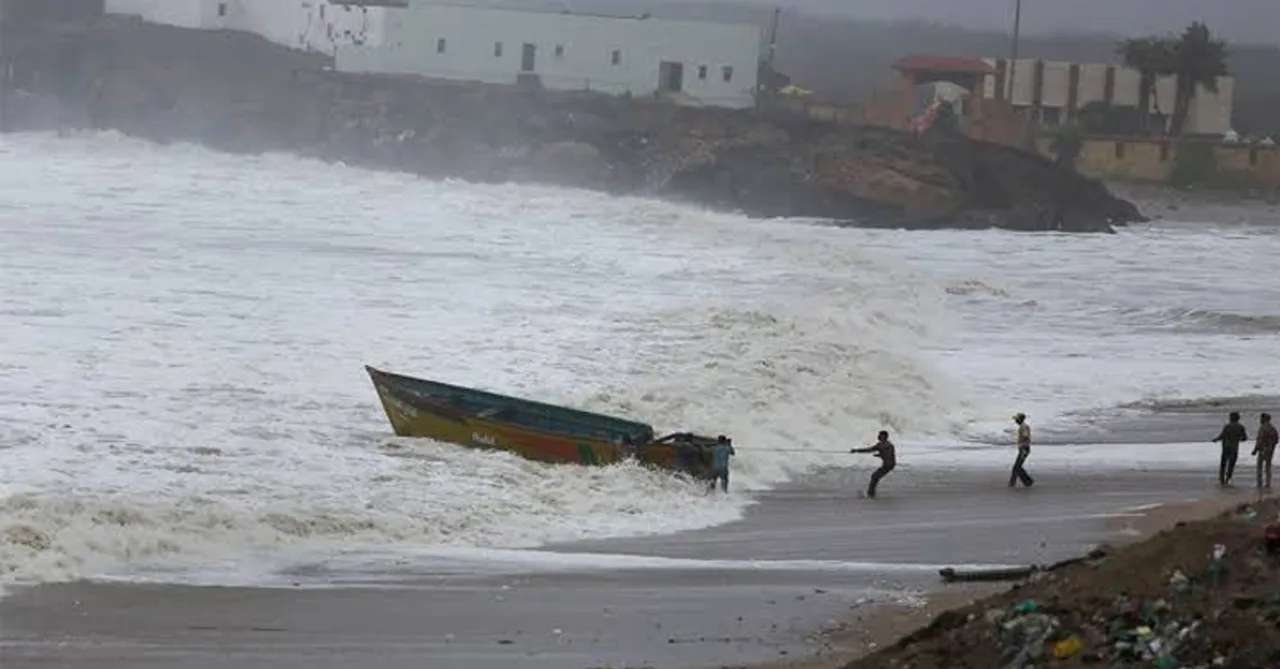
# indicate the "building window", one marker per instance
pixel 702 72
pixel 559 51
pixel 440 45
pixel 727 70
pixel 222 9
pixel 616 58
pixel 1120 149
pixel 497 49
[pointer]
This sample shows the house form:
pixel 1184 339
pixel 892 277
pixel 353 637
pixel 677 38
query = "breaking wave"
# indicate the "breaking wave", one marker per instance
pixel 183 381
pixel 1201 320
pixel 191 388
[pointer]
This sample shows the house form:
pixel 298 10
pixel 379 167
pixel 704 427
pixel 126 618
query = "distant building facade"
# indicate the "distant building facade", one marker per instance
pixel 25 12
pixel 690 62
pixel 307 25
pixel 1053 92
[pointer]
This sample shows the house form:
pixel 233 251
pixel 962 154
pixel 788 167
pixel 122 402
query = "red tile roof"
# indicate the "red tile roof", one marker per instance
pixel 942 64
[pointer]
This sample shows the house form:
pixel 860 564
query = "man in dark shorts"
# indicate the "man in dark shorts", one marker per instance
pixel 720 453
pixel 1232 435
pixel 1019 473
pixel 1265 448
pixel 883 449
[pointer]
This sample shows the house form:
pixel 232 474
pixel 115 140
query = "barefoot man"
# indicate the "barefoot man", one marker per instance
pixel 1024 450
pixel 883 449
pixel 1233 433
pixel 1264 446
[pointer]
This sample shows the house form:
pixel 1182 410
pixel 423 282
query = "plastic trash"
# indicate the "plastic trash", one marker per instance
pixel 1025 638
pixel 1179 581
pixel 1068 647
pixel 1025 606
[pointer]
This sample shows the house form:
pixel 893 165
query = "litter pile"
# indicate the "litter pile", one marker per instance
pixel 1203 594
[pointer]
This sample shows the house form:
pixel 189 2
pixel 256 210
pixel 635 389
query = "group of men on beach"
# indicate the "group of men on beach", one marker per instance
pixel 888 454
pixel 1232 435
pixel 1264 448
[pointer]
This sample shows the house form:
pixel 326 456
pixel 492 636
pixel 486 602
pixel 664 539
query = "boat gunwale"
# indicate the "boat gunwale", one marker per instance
pixel 644 429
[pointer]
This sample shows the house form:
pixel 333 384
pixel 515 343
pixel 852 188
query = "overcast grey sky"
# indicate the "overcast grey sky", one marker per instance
pixel 1236 20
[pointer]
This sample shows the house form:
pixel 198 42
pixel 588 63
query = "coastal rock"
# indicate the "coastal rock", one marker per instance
pixel 237 92
pixel 572 163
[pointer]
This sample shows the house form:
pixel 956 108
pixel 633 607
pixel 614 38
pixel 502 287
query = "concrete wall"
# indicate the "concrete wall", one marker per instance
pixel 181 13
pixel 1257 166
pixel 1210 111
pixel 1152 160
pixel 1093 83
pixel 309 25
pixel 1024 79
pixel 571 52
pixel 1057 84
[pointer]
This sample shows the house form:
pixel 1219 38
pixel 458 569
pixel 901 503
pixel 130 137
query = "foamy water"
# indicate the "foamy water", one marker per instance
pixel 182 336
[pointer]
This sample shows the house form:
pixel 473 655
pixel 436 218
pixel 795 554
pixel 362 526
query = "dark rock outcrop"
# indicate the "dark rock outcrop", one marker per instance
pixel 236 92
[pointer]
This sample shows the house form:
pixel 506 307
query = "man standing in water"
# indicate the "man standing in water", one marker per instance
pixel 720 453
pixel 1232 434
pixel 1265 447
pixel 1024 450
pixel 884 450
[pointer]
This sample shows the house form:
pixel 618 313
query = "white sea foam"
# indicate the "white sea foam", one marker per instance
pixel 182 335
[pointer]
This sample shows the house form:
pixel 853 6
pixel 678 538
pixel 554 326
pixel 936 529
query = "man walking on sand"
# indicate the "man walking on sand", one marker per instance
pixel 1265 447
pixel 1232 434
pixel 883 449
pixel 1024 450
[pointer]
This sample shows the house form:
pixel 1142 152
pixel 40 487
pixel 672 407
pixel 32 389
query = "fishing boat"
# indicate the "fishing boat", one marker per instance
pixel 534 430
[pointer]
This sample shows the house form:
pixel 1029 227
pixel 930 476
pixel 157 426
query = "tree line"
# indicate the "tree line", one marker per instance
pixel 1194 59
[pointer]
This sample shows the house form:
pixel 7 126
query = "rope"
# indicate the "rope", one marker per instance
pixel 793 450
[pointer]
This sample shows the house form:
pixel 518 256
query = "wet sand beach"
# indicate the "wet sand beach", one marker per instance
pixel 806 559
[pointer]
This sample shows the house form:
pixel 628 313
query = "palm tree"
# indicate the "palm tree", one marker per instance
pixel 1198 60
pixel 1152 57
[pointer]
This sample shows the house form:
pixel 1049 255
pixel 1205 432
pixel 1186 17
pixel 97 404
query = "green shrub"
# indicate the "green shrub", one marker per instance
pixel 1196 163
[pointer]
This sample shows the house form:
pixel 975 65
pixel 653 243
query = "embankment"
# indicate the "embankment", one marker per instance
pixel 237 92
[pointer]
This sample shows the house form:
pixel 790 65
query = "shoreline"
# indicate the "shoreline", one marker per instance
pixel 886 624
pixel 814 557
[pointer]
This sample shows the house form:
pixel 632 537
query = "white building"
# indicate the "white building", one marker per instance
pixel 1059 89
pixel 308 25
pixel 691 62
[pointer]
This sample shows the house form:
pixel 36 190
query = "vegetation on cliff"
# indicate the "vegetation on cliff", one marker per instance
pixel 237 92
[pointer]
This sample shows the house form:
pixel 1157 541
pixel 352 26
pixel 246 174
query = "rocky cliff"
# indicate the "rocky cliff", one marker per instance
pixel 237 92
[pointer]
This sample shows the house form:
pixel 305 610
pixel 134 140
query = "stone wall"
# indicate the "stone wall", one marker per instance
pixel 1142 159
